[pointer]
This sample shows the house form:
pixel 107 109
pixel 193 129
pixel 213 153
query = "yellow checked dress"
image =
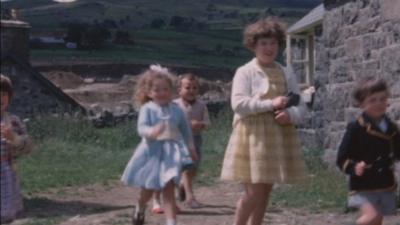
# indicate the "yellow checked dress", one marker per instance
pixel 262 151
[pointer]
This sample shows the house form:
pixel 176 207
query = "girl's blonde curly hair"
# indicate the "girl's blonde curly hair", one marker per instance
pixel 146 82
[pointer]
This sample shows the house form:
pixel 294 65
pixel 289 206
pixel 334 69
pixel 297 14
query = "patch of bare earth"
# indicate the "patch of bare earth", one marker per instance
pixel 113 204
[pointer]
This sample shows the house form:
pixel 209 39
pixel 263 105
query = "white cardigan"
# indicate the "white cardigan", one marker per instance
pixel 250 82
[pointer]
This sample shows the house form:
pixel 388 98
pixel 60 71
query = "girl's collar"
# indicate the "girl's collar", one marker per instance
pixel 161 106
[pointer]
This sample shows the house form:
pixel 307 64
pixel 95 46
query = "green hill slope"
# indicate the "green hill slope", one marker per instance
pixel 139 13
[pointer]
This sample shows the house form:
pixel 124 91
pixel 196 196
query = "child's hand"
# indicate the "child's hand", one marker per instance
pixel 7 133
pixel 157 130
pixel 282 117
pixel 279 102
pixel 360 168
pixel 197 125
pixel 193 154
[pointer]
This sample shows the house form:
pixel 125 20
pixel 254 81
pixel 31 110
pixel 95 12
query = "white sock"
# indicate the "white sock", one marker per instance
pixel 171 222
pixel 156 203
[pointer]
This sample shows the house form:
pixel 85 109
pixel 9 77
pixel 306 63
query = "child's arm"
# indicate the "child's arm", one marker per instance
pixel 20 143
pixel 298 112
pixel 345 160
pixel 242 100
pixel 205 123
pixel 144 126
pixel 206 118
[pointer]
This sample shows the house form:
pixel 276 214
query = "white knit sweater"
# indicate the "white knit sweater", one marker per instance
pixel 251 82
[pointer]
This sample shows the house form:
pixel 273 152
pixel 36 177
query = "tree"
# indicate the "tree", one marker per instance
pixel 157 23
pixel 94 37
pixel 87 36
pixel 177 22
pixel 75 32
pixel 123 38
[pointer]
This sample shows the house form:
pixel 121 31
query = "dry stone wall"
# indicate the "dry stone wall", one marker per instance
pixel 360 38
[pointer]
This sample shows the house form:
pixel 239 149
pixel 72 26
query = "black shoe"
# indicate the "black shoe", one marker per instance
pixel 138 219
pixel 182 194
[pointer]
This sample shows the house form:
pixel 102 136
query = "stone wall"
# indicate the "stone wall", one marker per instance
pixel 360 38
pixel 15 39
pixel 33 93
pixel 31 96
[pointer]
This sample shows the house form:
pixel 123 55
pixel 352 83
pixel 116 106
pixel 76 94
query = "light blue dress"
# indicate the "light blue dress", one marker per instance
pixel 156 162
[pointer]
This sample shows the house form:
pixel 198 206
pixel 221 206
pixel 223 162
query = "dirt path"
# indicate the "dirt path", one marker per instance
pixel 112 204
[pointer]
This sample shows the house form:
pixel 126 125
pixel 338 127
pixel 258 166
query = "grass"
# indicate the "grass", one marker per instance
pixel 71 152
pixel 325 188
pixel 45 221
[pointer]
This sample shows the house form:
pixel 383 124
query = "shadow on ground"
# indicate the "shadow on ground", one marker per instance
pixel 223 210
pixel 39 207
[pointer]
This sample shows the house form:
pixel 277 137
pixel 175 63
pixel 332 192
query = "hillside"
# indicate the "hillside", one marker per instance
pixel 177 32
pixel 138 13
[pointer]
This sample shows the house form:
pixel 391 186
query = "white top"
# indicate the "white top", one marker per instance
pixel 196 111
pixel 250 83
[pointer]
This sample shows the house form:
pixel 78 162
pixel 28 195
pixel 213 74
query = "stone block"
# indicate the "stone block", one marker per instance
pixel 308 138
pixel 390 9
pixel 339 71
pixel 394 109
pixel 354 48
pixel 390 65
pixel 351 113
pixel 330 157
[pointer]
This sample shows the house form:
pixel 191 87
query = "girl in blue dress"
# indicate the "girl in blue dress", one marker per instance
pixel 166 146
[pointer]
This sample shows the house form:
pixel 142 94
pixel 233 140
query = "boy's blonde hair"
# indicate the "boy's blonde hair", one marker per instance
pixel 269 27
pixel 187 76
pixel 146 82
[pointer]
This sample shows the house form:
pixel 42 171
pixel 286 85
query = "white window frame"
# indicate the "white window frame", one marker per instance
pixel 309 58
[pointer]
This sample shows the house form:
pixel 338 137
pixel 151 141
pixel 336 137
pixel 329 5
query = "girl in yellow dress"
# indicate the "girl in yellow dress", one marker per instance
pixel 264 147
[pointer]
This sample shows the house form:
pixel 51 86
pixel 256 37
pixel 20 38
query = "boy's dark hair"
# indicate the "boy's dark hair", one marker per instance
pixel 6 85
pixel 367 87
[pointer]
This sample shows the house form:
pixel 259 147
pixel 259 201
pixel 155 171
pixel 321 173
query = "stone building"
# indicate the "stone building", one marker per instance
pixel 33 93
pixel 354 39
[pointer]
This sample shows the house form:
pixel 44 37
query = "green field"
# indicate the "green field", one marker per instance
pixel 218 49
pixel 210 37
pixel 138 13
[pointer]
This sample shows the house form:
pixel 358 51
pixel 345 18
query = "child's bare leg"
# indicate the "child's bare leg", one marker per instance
pixel 144 197
pixel 257 216
pixel 139 212
pixel 169 201
pixel 247 204
pixel 187 180
pixel 369 216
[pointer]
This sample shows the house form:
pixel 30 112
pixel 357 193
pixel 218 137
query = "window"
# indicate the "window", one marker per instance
pixel 301 55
